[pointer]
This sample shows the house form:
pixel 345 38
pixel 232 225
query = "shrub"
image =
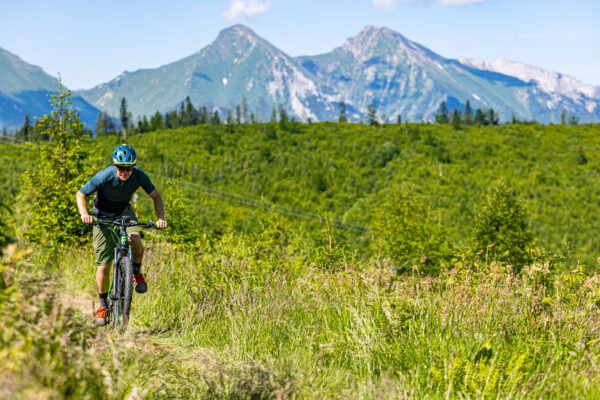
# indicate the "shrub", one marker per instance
pixel 501 226
pixel 408 231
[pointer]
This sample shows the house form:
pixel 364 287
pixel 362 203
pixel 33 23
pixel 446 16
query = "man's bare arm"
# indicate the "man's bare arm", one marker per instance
pixel 159 208
pixel 82 207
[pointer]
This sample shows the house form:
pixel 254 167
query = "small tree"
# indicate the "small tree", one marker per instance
pixel 124 116
pixel 342 117
pixel 456 119
pixel 408 231
pixel 244 110
pixel 372 114
pixel 48 193
pixel 501 228
pixel 468 113
pixel 442 115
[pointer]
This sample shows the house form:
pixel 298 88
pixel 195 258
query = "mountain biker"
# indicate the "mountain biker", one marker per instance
pixel 115 186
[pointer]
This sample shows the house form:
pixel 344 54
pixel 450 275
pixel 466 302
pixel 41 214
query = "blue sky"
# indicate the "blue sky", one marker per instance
pixel 90 41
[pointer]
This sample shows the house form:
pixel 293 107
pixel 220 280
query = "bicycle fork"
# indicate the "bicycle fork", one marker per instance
pixel 116 294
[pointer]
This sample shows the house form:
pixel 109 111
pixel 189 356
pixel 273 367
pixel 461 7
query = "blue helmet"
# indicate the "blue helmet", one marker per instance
pixel 124 155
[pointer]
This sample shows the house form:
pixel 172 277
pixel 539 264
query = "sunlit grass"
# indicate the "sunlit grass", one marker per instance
pixel 230 323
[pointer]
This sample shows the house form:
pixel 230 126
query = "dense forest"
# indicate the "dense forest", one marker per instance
pixel 345 172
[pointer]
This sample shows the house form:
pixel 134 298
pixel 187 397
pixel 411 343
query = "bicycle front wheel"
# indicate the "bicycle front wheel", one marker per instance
pixel 126 281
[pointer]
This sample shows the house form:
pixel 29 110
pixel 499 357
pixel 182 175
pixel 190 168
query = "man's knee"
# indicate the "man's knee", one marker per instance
pixel 136 240
pixel 135 237
pixel 104 269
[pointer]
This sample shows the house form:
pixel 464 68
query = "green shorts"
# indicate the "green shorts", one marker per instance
pixel 105 240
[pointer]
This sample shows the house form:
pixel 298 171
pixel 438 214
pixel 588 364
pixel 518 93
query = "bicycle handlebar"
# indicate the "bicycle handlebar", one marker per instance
pixel 122 222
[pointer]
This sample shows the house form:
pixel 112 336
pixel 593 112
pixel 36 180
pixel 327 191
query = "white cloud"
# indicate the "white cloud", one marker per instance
pixel 386 4
pixel 245 9
pixel 391 4
pixel 460 2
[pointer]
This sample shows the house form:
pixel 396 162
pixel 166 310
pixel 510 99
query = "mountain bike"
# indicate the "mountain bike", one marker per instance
pixel 121 291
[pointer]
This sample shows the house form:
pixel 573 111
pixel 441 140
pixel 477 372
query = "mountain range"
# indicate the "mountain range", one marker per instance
pixel 24 89
pixel 378 66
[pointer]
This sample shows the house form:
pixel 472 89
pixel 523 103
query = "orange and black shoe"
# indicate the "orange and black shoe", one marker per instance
pixel 140 283
pixel 100 316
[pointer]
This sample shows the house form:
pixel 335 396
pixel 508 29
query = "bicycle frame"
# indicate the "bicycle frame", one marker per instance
pixel 121 250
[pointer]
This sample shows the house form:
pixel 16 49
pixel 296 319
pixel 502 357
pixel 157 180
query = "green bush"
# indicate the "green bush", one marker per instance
pixel 407 230
pixel 501 227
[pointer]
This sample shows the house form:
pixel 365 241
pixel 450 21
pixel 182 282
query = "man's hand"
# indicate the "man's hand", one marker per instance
pixel 161 224
pixel 87 219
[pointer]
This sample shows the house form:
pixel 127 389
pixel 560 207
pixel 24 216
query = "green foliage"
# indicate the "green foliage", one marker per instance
pixel 5 237
pixel 501 226
pixel 184 229
pixel 47 195
pixel 372 114
pixel 342 116
pixel 407 230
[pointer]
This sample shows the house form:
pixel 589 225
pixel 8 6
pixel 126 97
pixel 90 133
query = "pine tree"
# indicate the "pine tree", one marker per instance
pixel 283 115
pixel 493 118
pixel 238 114
pixel 47 193
pixel 156 122
pixel 193 117
pixel 100 124
pixel 456 119
pixel 563 117
pixel 399 119
pixel 273 114
pixel 182 118
pixel 172 120
pixel 203 115
pixel 244 109
pixel 442 115
pixel 342 117
pixel 468 113
pixel 24 133
pixel 480 117
pixel 215 119
pixel 124 117
pixel 501 227
pixel 372 114
pixel 407 230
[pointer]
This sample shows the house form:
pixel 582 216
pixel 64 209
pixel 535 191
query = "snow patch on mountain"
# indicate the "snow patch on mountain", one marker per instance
pixel 548 81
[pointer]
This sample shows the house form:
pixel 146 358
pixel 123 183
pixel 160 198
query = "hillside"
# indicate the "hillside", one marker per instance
pixel 246 302
pixel 345 171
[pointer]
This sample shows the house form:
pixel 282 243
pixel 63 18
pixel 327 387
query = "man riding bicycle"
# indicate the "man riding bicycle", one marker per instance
pixel 115 186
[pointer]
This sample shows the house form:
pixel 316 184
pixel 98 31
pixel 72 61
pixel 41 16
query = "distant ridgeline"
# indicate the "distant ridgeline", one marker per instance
pixel 243 76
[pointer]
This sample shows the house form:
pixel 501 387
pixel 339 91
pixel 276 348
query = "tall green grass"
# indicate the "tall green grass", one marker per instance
pixel 244 320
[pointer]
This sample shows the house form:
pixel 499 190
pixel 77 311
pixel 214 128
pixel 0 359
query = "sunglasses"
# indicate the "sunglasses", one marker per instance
pixel 124 169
